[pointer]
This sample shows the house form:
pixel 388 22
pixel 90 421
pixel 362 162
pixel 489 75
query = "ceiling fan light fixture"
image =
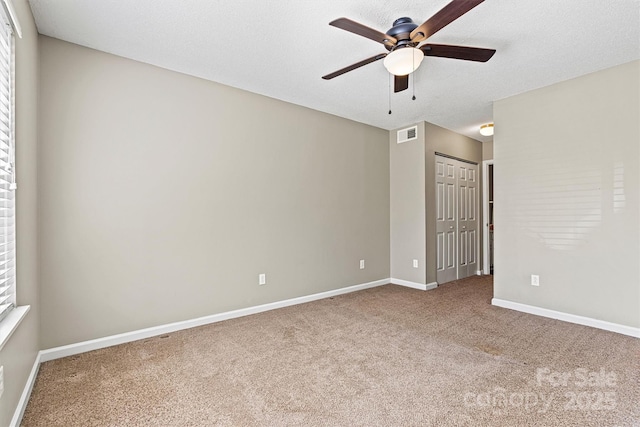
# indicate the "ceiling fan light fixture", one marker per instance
pixel 486 130
pixel 404 61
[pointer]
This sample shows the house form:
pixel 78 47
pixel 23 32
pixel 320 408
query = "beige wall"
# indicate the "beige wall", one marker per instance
pixel 18 355
pixel 163 197
pixel 567 196
pixel 487 150
pixel 444 141
pixel 407 207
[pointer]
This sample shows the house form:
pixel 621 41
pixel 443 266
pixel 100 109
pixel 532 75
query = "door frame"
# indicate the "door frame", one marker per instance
pixel 485 215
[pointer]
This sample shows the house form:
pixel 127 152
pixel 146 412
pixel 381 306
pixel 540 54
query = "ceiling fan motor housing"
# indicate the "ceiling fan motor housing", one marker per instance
pixel 401 30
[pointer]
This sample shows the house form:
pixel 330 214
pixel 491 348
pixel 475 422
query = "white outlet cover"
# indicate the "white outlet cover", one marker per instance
pixel 262 279
pixel 535 280
pixel 415 263
pixel 361 264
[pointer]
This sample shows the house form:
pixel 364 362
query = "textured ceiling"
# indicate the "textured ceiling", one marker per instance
pixel 282 48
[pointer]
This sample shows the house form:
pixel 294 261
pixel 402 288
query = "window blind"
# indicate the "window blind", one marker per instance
pixel 7 173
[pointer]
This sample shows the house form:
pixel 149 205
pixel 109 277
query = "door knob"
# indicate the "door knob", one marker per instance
pixel 451 227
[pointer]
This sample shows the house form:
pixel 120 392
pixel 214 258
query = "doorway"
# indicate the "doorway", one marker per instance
pixel 487 215
pixel 456 218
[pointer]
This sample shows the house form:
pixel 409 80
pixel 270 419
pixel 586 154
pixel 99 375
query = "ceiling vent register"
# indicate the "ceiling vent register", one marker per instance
pixel 408 134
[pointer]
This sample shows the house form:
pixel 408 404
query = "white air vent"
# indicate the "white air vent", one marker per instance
pixel 408 134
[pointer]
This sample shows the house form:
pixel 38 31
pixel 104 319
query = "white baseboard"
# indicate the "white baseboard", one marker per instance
pixel 414 285
pixel 95 344
pixel 571 318
pixel 26 393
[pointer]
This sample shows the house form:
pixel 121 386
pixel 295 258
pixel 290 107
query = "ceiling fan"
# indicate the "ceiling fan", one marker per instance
pixel 402 42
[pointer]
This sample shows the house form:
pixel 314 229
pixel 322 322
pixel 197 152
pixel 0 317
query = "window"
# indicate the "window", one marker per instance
pixel 7 172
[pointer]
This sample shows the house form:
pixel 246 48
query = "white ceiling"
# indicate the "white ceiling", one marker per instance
pixel 282 48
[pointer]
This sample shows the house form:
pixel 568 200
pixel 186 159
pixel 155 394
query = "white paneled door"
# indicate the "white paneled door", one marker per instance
pixel 456 219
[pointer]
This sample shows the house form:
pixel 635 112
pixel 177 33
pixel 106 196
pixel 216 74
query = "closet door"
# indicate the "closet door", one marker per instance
pixel 446 230
pixel 472 219
pixel 463 220
pixel 467 219
pixel 456 219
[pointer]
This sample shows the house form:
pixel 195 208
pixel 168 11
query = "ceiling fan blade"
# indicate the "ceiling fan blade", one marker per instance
pixel 400 83
pixel 364 31
pixel 444 17
pixel 354 66
pixel 458 52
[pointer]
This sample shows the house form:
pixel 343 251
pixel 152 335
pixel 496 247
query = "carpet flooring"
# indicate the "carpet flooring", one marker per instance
pixel 387 356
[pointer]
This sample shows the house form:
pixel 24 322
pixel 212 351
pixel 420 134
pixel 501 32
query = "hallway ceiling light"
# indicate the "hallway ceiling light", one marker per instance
pixel 486 130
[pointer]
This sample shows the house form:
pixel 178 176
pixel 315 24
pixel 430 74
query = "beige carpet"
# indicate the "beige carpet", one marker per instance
pixel 388 356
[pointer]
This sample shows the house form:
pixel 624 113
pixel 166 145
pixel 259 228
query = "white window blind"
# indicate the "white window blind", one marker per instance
pixel 7 173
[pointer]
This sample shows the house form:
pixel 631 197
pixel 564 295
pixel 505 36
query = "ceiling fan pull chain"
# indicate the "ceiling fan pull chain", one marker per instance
pixel 413 81
pixel 414 87
pixel 390 92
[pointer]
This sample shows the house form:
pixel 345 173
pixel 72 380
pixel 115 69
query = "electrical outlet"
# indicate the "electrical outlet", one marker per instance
pixel 361 264
pixel 415 263
pixel 535 280
pixel 262 279
pixel 1 380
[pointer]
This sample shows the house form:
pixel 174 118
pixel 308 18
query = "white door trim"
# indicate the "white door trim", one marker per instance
pixel 485 215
